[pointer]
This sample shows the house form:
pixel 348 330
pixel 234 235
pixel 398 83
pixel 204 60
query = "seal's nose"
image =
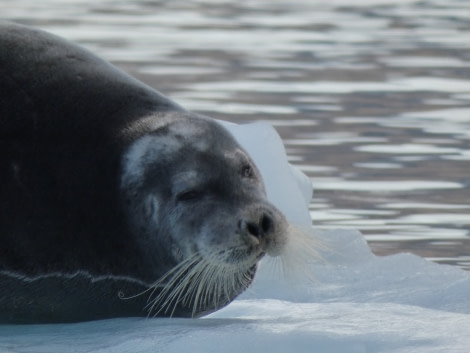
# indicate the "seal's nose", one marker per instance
pixel 263 230
pixel 259 225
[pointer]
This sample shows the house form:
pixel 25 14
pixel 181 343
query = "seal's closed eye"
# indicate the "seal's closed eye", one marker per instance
pixel 190 195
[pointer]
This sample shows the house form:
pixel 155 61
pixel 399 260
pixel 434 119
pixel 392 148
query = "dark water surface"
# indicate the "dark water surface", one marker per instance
pixel 371 97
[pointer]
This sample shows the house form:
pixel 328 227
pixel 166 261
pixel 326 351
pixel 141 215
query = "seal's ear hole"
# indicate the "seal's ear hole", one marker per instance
pixel 247 171
pixel 151 206
pixel 189 195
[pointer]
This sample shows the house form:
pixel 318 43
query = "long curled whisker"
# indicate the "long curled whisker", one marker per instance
pixel 170 284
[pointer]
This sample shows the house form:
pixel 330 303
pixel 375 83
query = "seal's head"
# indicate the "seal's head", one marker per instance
pixel 199 202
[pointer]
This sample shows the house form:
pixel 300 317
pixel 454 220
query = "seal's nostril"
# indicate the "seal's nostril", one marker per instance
pixel 266 223
pixel 253 229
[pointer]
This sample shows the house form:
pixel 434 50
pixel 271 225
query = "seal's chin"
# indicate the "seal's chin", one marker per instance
pixel 199 285
pixel 214 268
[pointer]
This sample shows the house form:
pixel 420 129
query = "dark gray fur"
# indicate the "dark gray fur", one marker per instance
pixel 72 241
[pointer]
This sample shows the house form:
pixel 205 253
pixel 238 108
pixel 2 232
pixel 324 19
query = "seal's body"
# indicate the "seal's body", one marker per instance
pixel 115 201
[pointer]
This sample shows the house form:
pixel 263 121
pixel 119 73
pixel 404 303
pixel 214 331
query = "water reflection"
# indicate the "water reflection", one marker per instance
pixel 372 97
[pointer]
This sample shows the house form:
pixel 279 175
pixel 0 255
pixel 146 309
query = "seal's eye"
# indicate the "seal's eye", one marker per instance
pixel 189 195
pixel 247 171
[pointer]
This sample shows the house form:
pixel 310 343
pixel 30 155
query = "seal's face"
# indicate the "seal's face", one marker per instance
pixel 189 184
pixel 218 204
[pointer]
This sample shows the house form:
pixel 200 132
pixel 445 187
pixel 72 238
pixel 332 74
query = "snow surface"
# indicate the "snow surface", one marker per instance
pixel 352 302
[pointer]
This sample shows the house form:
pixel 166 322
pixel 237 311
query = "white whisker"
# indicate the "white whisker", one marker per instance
pixel 301 250
pixel 172 278
pixel 205 284
pixel 197 283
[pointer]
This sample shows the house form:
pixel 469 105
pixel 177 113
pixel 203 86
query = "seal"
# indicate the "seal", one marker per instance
pixel 114 200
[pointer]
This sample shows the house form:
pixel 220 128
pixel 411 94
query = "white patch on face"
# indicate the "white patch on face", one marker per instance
pixel 142 153
pixel 132 162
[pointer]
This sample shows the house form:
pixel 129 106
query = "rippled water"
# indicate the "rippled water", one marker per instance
pixel 371 97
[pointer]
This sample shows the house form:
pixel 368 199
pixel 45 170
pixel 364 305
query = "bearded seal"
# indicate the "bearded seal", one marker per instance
pixel 114 200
